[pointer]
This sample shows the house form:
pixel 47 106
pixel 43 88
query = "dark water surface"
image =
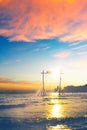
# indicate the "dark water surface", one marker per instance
pixel 30 112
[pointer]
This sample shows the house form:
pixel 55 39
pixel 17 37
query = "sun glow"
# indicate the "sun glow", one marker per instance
pixel 55 72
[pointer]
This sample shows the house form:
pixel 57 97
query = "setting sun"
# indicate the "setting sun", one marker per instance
pixel 55 72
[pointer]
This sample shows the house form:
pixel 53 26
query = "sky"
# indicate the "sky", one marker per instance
pixel 49 35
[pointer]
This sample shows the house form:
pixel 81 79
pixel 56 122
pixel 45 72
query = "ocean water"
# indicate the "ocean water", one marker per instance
pixel 30 112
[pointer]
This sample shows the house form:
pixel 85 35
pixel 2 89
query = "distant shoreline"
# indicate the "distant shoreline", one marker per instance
pixel 16 91
pixel 67 89
pixel 75 89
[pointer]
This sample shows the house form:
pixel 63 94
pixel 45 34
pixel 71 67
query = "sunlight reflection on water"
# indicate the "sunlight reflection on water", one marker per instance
pixel 55 109
pixel 58 127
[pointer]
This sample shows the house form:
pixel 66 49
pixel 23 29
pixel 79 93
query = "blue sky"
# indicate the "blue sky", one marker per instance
pixel 23 61
pixel 36 37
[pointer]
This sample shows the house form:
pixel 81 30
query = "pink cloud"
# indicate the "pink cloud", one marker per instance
pixel 32 20
pixel 62 54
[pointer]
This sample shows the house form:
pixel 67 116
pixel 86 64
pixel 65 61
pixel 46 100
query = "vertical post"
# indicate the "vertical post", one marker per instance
pixel 43 79
pixel 42 92
pixel 60 84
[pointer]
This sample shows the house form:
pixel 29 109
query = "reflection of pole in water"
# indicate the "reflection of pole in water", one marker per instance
pixel 42 92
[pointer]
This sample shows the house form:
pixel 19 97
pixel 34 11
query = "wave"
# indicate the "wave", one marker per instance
pixel 52 121
pixel 42 123
pixel 55 121
pixel 11 106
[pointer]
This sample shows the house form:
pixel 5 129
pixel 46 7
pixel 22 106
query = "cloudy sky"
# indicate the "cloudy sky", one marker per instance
pixel 38 35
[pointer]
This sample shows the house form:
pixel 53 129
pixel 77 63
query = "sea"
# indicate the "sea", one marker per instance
pixel 28 111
